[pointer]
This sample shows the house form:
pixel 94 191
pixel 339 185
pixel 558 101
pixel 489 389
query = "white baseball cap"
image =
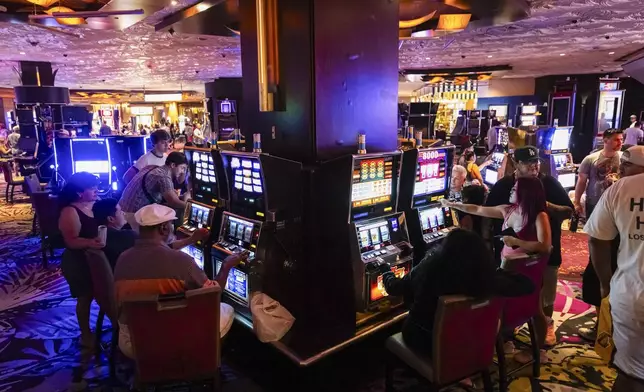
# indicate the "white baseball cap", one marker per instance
pixel 634 155
pixel 154 214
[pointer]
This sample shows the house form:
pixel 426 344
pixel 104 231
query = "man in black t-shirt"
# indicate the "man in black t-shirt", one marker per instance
pixel 559 206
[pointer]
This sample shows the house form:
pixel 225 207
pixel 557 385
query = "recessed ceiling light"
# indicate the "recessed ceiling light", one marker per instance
pixel 489 56
pixel 611 53
pixel 173 2
pixel 562 54
pixel 22 53
pixel 82 61
pixel 428 58
pixel 196 63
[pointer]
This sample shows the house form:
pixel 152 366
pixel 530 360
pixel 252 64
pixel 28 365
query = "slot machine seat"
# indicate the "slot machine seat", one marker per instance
pixel 520 310
pixel 465 332
pixel 169 349
pixel 11 181
pixel 47 213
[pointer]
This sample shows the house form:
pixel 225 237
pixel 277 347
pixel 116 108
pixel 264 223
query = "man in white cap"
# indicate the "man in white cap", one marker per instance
pixel 620 212
pixel 151 259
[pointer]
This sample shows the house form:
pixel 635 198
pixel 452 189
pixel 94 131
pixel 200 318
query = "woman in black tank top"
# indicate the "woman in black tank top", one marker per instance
pixel 80 232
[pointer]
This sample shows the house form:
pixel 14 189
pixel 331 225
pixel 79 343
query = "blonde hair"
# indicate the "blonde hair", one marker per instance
pixel 459 169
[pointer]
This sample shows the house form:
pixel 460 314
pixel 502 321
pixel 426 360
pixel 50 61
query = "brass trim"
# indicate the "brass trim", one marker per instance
pixel 265 97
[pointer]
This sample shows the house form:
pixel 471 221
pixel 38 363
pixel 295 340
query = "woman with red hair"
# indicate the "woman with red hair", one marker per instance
pixel 527 217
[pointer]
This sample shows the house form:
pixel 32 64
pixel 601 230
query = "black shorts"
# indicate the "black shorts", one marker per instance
pixel 76 273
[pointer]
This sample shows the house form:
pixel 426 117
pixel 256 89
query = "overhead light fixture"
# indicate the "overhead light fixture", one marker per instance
pixel 489 56
pixel 562 54
pixel 611 53
pixel 176 97
pixel 23 53
pixel 82 61
pixel 196 63
pixel 173 3
pixel 428 58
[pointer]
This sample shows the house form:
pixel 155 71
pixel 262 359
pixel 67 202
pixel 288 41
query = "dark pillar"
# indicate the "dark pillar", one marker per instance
pixel 338 76
pixel 38 85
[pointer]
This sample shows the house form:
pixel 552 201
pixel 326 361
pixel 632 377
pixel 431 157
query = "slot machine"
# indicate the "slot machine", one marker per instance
pixel 424 181
pixel 124 151
pixel 495 169
pixel 93 155
pixel 553 144
pixel 265 210
pixel 361 227
pixel 204 210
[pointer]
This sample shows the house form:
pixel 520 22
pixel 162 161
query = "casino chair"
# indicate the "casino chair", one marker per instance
pixel 465 332
pixel 520 310
pixel 11 181
pixel 167 348
pixel 47 211
pixel 33 185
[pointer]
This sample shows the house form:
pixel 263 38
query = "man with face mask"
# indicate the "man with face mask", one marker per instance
pixel 151 267
pixel 156 184
pixel 527 164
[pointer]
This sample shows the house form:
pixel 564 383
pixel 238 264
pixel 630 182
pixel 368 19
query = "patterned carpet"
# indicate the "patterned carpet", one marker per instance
pixel 39 349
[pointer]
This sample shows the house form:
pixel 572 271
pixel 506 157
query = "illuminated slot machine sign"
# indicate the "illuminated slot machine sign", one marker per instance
pixel 560 140
pixel 377 287
pixel 372 187
pixel 247 184
pixel 431 175
pixel 204 179
pixel 93 156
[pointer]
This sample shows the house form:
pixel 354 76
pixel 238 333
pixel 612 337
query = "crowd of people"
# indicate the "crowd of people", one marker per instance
pixel 521 214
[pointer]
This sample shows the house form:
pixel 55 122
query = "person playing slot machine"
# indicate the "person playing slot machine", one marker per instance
pixel 151 267
pixel 156 157
pixel 107 212
pixel 463 266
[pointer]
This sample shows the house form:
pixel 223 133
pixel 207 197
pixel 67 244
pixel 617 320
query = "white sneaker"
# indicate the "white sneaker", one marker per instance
pixel 551 337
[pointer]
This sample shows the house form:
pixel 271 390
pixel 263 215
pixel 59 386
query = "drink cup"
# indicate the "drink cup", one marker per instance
pixel 102 234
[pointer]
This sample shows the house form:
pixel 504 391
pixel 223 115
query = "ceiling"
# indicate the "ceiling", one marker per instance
pixel 586 31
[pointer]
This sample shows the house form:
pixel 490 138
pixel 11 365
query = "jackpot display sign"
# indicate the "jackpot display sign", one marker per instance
pixel 372 182
pixel 431 172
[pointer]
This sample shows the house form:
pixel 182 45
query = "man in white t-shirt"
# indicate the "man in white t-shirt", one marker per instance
pixel 633 136
pixel 620 211
pixel 155 157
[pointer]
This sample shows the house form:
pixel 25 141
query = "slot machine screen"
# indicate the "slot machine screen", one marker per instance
pixel 241 232
pixel 203 176
pixel 431 173
pixel 372 182
pixel 498 158
pixel 567 180
pixel 374 236
pixel 560 139
pixel 377 290
pixel 529 109
pixel 491 176
pixel 199 217
pixel 434 218
pixel 196 254
pixel 90 155
pixel 247 184
pixel 236 284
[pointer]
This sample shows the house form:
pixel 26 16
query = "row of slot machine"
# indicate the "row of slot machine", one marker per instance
pixel 553 144
pixel 369 210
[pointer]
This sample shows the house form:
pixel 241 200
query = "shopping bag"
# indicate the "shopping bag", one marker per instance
pixel 604 345
pixel 271 320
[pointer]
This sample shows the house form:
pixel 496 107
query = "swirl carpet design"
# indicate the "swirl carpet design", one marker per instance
pixel 39 349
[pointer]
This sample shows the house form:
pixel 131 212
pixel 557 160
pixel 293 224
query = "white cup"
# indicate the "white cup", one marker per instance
pixel 102 234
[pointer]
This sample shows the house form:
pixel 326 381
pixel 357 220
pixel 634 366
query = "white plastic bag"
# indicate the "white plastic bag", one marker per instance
pixel 271 321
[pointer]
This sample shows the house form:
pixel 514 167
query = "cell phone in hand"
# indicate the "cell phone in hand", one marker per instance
pixel 507 232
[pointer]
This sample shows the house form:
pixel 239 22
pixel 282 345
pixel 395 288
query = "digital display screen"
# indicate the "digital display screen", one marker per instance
pixel 561 160
pixel 372 181
pixel 528 120
pixel 377 290
pixel 432 219
pixel 374 236
pixel 498 158
pixel 203 176
pixel 560 139
pixel 94 167
pixel 491 176
pixel 240 232
pixel 529 109
pixel 567 180
pixel 237 283
pixel 199 216
pixel 225 107
pixel 204 169
pixel 431 172
pixel 247 175
pixel 195 253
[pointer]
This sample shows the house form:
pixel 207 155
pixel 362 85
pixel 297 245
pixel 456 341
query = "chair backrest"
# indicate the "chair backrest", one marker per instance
pixel 517 311
pixel 33 184
pixel 102 282
pixel 465 331
pixel 47 211
pixel 175 337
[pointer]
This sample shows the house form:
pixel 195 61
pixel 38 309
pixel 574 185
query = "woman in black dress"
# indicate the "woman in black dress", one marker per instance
pixel 80 232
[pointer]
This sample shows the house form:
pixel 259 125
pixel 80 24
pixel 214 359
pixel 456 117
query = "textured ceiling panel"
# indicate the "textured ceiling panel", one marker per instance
pixel 139 58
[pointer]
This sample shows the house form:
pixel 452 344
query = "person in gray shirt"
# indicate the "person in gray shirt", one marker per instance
pixel 597 172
